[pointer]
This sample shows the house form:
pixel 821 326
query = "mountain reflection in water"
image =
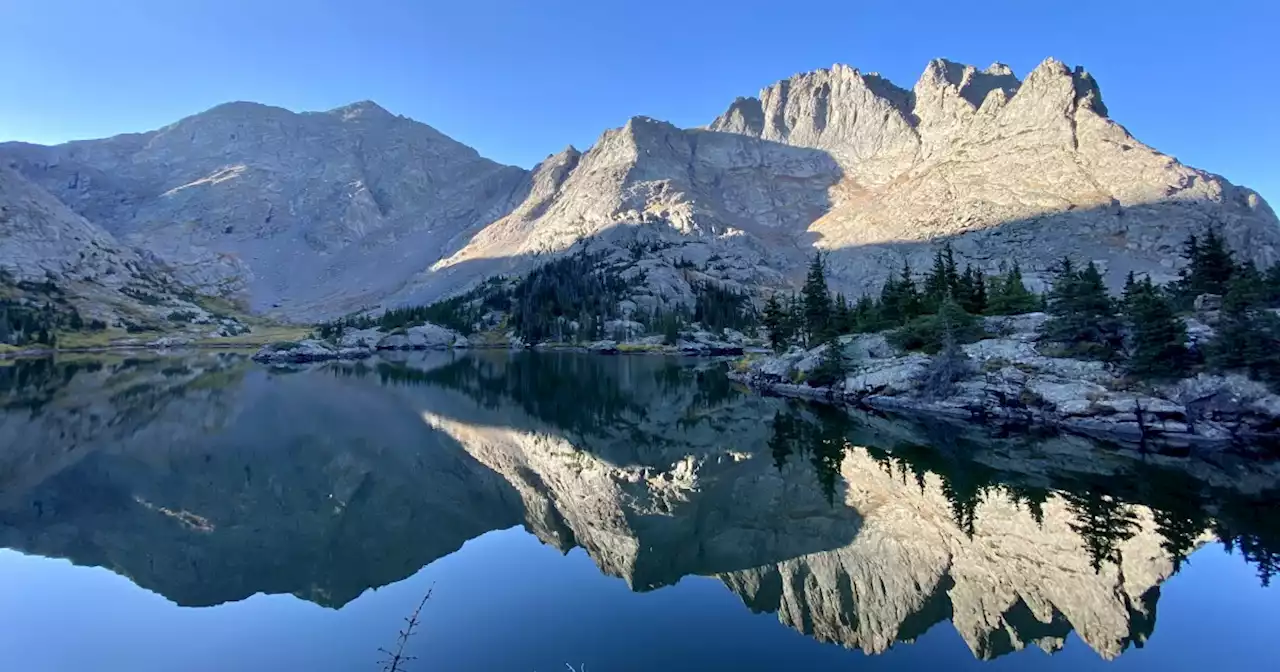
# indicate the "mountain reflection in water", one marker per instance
pixel 208 479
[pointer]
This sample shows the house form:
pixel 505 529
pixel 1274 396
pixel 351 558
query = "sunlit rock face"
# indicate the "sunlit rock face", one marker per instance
pixel 317 214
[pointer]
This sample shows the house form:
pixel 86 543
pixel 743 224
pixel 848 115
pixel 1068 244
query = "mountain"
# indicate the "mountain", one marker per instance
pixel 317 214
pixel 54 257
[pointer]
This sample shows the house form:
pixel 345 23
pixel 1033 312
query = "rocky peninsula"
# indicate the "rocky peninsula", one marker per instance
pixel 1006 379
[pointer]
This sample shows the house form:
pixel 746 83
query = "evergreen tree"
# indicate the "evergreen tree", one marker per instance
pixel 817 302
pixel 1010 296
pixel 866 315
pixel 795 318
pixel 842 316
pixel 1248 336
pixel 1273 286
pixel 971 291
pixel 1158 337
pixel 831 368
pixel 778 322
pixel 670 328
pixel 938 283
pixel 1083 318
pixel 899 299
pixel 1209 266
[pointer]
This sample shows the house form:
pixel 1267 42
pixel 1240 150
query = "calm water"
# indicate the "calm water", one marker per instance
pixel 205 513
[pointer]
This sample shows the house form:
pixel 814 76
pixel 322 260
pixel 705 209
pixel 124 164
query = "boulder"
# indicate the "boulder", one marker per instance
pixel 1208 303
pixel 861 347
pixel 310 350
pixel 887 377
pixel 361 338
pixel 603 347
pixel 422 337
pixel 1011 325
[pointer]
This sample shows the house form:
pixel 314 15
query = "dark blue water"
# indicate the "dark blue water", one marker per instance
pixel 608 513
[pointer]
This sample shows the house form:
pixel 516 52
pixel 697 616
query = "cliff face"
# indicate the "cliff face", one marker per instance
pixel 316 214
pixel 879 175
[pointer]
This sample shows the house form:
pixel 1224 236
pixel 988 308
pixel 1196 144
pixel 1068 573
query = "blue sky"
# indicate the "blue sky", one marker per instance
pixel 519 80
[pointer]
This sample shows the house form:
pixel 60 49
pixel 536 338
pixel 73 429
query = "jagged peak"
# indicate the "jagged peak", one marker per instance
pixel 999 69
pixel 972 84
pixel 1086 92
pixel 745 115
pixel 941 71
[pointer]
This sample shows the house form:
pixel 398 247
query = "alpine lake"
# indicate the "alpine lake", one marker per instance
pixel 203 512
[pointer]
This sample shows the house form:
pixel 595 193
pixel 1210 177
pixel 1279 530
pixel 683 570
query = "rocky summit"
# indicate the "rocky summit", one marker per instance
pixel 315 215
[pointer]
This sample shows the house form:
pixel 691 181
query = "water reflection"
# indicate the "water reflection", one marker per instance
pixel 208 479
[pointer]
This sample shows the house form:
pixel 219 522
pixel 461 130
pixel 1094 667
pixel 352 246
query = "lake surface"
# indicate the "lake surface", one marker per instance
pixel 624 513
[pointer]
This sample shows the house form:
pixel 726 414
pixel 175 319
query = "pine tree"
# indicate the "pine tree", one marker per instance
pixel 778 322
pixel 842 316
pixel 1010 296
pixel 831 367
pixel 1248 336
pixel 899 299
pixel 866 315
pixel 1273 286
pixel 817 302
pixel 1083 318
pixel 1209 266
pixel 971 291
pixel 796 318
pixel 1158 336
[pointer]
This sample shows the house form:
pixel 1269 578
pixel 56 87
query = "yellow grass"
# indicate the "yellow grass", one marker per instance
pixel 640 347
pixel 100 339
pixel 261 335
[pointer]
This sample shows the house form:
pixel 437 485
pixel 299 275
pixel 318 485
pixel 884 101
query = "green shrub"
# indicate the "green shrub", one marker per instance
pixel 927 333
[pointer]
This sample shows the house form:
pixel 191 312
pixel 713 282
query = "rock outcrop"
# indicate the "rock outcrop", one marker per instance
pixel 1006 379
pixel 314 215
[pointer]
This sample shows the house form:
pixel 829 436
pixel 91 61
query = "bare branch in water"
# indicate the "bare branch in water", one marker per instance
pixel 395 662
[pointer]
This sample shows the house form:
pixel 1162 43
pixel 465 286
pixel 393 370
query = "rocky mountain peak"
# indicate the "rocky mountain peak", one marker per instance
pixel 364 109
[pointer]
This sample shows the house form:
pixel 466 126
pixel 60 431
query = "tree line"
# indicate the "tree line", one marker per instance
pixel 573 298
pixel 32 313
pixel 1142 329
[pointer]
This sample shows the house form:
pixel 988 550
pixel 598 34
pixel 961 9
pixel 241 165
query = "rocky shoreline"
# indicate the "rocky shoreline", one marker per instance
pixel 356 344
pixel 1006 380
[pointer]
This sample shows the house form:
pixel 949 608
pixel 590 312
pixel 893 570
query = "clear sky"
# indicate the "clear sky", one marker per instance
pixel 520 79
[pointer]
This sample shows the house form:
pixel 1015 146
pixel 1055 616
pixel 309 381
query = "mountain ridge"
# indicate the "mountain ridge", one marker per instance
pixel 315 214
